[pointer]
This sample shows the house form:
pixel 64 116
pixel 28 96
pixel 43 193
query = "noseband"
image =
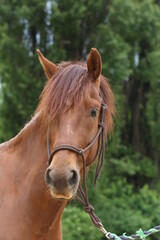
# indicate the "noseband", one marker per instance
pixel 100 152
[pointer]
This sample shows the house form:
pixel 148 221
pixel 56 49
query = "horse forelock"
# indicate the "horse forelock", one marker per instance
pixel 68 87
pixel 64 89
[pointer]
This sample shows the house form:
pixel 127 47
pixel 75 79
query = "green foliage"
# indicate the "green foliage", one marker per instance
pixel 20 81
pixel 126 210
pixel 76 224
pixel 119 207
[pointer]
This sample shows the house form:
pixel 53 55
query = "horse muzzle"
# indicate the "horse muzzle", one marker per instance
pixel 62 185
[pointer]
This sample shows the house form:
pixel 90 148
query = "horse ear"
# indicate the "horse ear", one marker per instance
pixel 94 63
pixel 49 67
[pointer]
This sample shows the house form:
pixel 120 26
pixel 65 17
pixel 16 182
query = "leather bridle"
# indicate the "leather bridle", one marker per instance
pixel 100 152
pixel 100 148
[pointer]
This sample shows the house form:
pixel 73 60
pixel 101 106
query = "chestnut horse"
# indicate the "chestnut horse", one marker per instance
pixel 31 207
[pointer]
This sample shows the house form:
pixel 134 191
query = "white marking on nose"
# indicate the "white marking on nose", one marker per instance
pixel 69 129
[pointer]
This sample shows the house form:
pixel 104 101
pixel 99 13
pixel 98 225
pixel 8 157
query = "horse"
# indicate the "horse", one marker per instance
pixel 32 194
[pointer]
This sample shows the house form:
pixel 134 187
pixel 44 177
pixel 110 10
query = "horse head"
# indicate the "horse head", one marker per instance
pixel 71 104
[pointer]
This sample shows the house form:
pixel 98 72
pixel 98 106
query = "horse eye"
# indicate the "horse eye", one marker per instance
pixel 93 112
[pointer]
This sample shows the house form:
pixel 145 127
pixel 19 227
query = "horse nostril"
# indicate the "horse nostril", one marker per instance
pixel 73 178
pixel 47 177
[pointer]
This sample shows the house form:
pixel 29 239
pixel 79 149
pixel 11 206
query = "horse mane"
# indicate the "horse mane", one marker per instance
pixel 69 86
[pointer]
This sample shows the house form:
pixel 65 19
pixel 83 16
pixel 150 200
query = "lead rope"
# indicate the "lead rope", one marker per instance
pixel 88 208
pixel 83 196
pixel 82 192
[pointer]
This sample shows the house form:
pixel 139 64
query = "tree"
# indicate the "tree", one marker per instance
pixel 21 78
pixel 131 58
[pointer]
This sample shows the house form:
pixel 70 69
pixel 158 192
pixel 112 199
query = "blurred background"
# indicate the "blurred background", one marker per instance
pixel 127 34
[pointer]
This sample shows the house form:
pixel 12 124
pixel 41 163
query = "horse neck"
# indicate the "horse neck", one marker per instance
pixel 27 156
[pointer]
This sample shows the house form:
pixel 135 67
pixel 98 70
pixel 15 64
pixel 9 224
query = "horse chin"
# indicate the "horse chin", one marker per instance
pixel 59 196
